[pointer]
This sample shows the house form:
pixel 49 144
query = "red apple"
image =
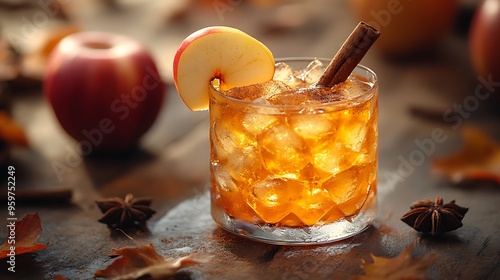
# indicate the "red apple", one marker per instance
pixel 105 90
pixel 484 40
pixel 407 27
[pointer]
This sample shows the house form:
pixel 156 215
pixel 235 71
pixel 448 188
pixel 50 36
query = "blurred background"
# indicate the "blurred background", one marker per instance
pixel 424 60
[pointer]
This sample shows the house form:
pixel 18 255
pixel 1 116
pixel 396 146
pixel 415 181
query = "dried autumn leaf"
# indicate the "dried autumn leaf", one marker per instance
pixel 403 266
pixel 479 159
pixel 8 64
pixel 26 233
pixel 135 263
pixel 33 63
pixel 11 132
pixel 59 277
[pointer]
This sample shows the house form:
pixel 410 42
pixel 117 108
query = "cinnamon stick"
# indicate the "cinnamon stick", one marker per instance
pixel 349 55
pixel 42 196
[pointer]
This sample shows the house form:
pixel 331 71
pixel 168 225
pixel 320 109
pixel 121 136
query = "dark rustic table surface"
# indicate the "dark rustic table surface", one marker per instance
pixel 171 163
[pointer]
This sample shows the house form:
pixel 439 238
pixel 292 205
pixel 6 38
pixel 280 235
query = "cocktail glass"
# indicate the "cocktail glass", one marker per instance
pixel 299 173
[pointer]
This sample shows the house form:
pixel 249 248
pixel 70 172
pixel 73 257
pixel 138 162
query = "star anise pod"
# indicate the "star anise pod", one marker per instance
pixel 434 217
pixel 125 213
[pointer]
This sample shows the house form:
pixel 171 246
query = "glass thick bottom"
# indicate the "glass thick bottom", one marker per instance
pixel 277 235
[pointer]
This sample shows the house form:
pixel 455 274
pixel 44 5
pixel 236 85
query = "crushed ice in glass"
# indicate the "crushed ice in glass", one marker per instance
pixel 312 72
pixel 297 87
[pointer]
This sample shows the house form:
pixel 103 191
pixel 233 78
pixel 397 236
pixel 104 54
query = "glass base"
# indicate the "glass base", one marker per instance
pixel 277 235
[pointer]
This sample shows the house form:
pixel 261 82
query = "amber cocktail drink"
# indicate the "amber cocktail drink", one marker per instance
pixel 292 163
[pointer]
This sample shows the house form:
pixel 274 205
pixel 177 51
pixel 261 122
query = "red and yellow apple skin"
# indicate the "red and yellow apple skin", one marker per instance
pixel 104 89
pixel 219 52
pixel 484 40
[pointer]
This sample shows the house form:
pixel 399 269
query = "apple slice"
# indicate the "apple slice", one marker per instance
pixel 219 52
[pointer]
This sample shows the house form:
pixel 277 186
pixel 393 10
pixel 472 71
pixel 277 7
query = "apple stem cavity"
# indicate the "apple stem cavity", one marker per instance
pixel 98 45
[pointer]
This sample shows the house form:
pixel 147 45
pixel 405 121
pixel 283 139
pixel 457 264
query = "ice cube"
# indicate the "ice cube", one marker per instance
pixel 264 109
pixel 227 140
pixel 261 101
pixel 327 157
pixel 284 73
pixel 291 97
pixel 243 163
pixel 312 126
pixel 224 180
pixel 311 74
pixel 273 199
pixel 313 205
pixel 275 87
pixel 283 151
pixel 254 124
pixel 352 134
pixel 353 87
pixel 272 193
pixel 305 96
pixel 257 91
pixel 351 188
pixel 343 185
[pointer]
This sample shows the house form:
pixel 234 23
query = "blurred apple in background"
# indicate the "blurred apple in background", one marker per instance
pixel 407 27
pixel 484 40
pixel 105 90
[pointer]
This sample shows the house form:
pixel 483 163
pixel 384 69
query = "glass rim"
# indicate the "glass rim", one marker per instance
pixel 287 108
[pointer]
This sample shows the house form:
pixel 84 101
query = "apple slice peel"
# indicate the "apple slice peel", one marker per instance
pixel 225 53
